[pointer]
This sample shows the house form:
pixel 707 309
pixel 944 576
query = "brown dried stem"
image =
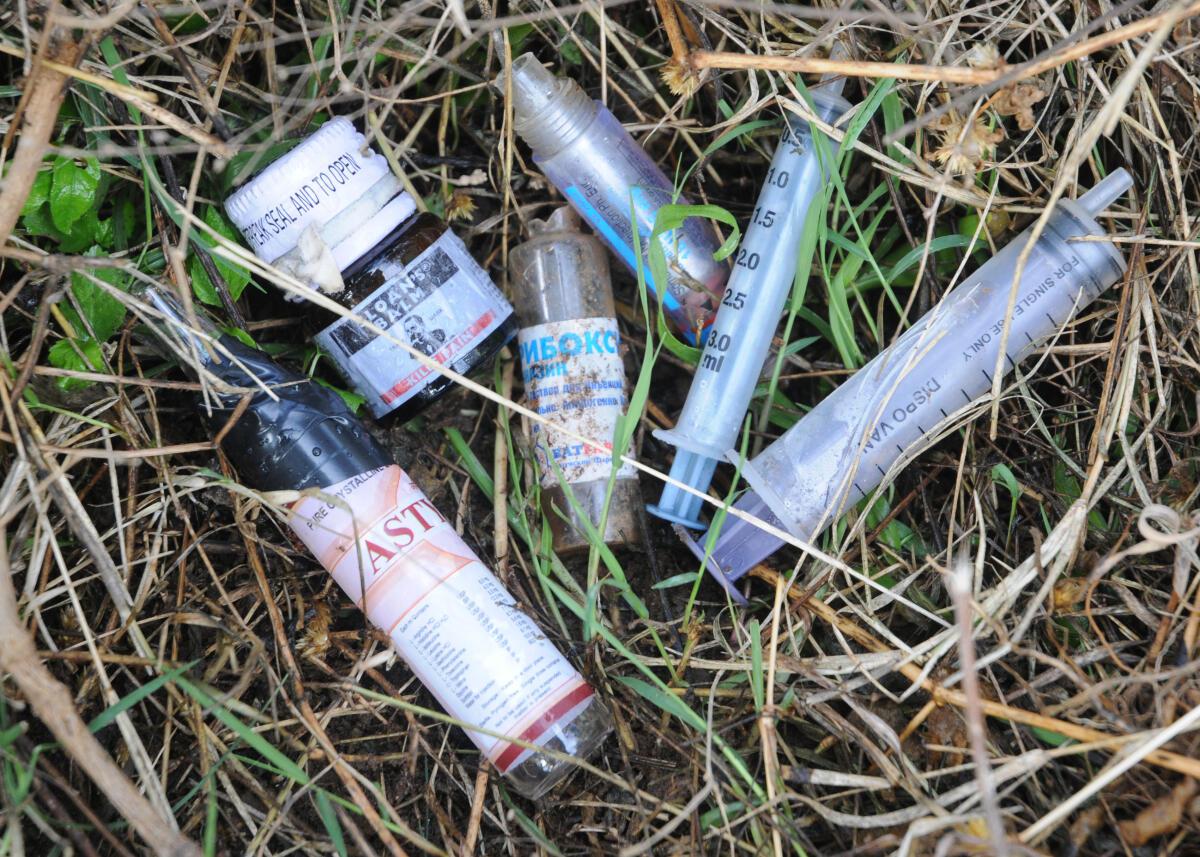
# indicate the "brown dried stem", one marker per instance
pixel 52 703
pixel 40 102
pixel 939 74
pixel 849 68
pixel 949 696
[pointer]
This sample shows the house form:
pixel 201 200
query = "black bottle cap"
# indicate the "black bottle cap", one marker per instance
pixel 304 437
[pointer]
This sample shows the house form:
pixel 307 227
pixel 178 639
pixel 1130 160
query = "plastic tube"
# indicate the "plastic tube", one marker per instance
pixel 574 374
pixel 845 446
pixel 740 339
pixel 589 156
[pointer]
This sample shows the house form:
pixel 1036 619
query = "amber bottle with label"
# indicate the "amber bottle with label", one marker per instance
pixel 331 213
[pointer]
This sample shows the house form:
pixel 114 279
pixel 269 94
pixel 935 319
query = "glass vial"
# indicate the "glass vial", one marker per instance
pixel 398 558
pixel 574 375
pixel 331 213
pixel 590 157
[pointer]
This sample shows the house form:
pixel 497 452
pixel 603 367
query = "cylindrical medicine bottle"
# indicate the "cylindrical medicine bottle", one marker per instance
pixel 331 213
pixel 398 559
pixel 575 377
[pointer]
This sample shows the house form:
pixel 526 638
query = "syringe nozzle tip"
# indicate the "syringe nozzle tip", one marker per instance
pixel 1107 191
pixel 833 83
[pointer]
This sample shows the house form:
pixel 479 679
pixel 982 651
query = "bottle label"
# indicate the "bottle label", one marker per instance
pixel 451 620
pixel 574 376
pixel 442 304
pixel 313 190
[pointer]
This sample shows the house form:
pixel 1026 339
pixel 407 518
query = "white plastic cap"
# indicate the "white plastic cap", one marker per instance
pixel 311 184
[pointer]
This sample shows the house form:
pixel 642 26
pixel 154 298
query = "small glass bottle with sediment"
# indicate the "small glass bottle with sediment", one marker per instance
pixel 574 377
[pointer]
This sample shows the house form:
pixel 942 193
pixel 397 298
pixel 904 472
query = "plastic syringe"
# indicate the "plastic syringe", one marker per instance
pixel 846 445
pixel 739 341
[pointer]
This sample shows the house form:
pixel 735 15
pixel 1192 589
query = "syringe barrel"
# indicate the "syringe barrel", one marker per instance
pixel 605 175
pixel 763 273
pixel 843 448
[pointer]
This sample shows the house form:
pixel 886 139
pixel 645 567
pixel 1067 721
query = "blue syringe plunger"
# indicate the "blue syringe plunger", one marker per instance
pixel 679 506
pixel 738 346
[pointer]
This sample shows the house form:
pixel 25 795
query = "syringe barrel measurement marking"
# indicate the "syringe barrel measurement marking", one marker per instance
pixel 845 446
pixel 763 272
pixel 943 362
pixel 739 341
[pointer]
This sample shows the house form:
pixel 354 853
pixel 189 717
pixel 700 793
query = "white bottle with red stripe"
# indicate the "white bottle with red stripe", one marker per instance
pixel 398 558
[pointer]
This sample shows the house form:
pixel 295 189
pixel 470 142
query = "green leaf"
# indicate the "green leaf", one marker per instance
pixel 37 222
pixel 899 536
pixel 102 312
pixel 73 190
pixel 353 400
pixel 687 578
pixel 517 36
pixel 103 233
pixel 260 744
pixel 12 733
pixel 531 829
pixel 716 817
pixel 570 52
pixel 240 335
pixel 236 277
pixel 893 117
pixel 1069 489
pixel 758 684
pixel 1003 474
pixel 329 818
pixel 111 713
pixel 664 701
pixel 39 194
pixel 123 223
pixel 937 245
pixel 82 234
pixel 79 355
pixel 1054 739
pixel 669 218
pixel 725 139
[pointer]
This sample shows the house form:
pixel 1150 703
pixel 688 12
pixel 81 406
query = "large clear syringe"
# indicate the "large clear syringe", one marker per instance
pixel 739 341
pixel 845 446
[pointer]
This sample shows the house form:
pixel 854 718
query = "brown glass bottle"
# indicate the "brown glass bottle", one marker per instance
pixel 371 272
pixel 331 214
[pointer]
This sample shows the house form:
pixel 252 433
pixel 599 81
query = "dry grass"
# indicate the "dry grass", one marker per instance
pixel 830 717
